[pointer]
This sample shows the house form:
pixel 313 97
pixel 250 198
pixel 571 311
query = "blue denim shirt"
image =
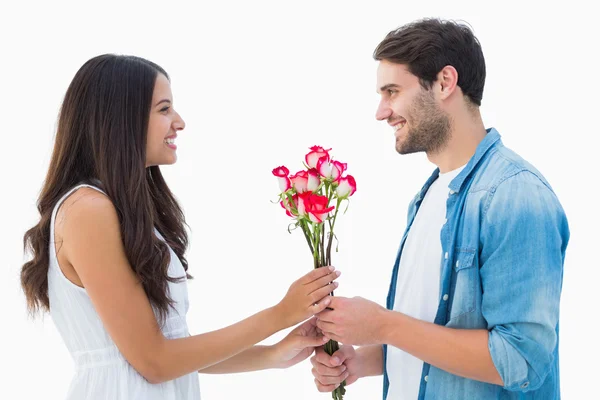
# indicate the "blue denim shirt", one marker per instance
pixel 503 250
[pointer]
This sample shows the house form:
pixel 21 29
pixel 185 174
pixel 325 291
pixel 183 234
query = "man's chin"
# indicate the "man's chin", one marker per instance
pixel 404 150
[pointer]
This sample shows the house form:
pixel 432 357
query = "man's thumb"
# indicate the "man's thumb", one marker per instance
pixel 344 353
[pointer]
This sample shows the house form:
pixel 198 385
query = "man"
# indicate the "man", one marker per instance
pixel 473 306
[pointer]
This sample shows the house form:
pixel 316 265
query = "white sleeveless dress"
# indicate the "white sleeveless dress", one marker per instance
pixel 101 371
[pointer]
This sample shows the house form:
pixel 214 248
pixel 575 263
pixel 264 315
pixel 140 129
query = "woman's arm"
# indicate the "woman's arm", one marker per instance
pixel 93 246
pixel 297 346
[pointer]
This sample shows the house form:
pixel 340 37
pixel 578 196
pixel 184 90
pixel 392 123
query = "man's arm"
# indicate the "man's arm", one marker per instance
pixel 371 360
pixel 462 352
pixel 524 237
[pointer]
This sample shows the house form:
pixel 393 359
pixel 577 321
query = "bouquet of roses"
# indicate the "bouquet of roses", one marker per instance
pixel 312 197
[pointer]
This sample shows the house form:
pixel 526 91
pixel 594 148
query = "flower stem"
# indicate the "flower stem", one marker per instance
pixel 331 225
pixel 330 348
pixel 316 246
pixel 306 232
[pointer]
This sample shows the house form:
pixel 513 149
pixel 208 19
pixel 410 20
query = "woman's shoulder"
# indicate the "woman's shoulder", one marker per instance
pixel 84 209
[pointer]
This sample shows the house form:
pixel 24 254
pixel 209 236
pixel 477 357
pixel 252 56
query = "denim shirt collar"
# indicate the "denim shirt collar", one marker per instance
pixel 490 139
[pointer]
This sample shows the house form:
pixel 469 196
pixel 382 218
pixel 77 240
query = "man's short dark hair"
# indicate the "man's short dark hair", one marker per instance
pixel 428 45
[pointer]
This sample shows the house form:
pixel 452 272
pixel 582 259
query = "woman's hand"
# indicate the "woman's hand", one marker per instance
pixel 307 296
pixel 298 345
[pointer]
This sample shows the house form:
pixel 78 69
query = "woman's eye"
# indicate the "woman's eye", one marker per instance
pixel 165 109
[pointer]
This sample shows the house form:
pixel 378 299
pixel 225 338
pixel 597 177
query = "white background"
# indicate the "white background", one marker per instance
pixel 258 83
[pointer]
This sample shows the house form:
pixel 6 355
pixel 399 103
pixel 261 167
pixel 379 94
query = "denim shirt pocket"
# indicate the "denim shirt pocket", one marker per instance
pixel 464 281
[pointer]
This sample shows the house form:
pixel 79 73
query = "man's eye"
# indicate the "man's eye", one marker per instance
pixel 392 91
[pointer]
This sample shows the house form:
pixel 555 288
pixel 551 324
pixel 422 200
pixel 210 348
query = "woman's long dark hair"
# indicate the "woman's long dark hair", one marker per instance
pixel 101 137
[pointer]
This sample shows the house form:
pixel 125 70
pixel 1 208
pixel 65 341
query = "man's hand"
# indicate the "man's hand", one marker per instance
pixel 330 371
pixel 354 321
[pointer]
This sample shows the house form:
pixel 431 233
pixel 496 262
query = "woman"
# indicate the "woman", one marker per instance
pixel 108 253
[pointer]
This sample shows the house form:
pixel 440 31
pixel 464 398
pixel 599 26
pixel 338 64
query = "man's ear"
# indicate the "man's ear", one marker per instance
pixel 447 79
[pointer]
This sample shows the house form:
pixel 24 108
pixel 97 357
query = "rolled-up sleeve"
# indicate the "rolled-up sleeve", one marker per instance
pixel 524 235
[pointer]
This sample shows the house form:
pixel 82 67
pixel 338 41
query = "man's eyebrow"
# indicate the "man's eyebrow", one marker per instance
pixel 388 86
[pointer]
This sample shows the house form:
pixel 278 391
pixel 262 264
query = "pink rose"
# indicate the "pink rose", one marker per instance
pixel 331 169
pixel 282 176
pixel 346 188
pixel 314 180
pixel 300 181
pixel 289 208
pixel 316 152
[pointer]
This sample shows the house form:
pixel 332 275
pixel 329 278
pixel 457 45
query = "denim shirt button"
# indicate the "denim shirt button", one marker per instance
pixel 445 297
pixel 446 256
pixel 426 377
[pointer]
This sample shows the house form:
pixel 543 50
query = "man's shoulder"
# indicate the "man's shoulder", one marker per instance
pixel 504 164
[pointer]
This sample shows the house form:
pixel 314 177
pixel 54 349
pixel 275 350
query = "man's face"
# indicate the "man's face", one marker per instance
pixel 414 114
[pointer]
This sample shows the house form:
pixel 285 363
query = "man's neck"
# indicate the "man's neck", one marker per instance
pixel 465 135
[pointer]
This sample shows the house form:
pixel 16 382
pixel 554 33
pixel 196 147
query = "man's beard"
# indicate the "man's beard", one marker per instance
pixel 431 130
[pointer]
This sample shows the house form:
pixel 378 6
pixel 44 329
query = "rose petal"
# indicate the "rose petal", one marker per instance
pixel 347 187
pixel 324 167
pixel 284 184
pixel 281 171
pixel 313 157
pixel 313 180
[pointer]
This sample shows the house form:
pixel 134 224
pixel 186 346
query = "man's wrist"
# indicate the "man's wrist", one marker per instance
pixel 369 360
pixel 387 325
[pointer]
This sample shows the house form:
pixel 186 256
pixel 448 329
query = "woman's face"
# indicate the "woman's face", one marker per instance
pixel 163 125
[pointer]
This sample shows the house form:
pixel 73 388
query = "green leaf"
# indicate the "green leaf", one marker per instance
pixel 348 205
pixel 295 227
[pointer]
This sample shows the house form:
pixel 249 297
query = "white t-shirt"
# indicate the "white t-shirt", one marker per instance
pixel 417 291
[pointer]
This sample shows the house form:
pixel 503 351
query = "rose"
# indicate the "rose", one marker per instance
pixel 346 188
pixel 314 206
pixel 314 180
pixel 306 180
pixel 318 208
pixel 316 152
pixel 305 197
pixel 300 181
pixel 282 176
pixel 290 209
pixel 332 170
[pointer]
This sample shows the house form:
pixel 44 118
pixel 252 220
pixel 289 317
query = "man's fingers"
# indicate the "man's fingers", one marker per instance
pixel 335 337
pixel 330 380
pixel 343 354
pixel 320 370
pixel 320 306
pixel 324 359
pixel 324 388
pixel 326 315
pixel 327 327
